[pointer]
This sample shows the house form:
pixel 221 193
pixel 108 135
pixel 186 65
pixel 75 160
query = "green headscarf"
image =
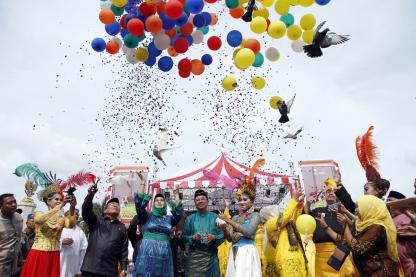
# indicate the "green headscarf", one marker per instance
pixel 159 212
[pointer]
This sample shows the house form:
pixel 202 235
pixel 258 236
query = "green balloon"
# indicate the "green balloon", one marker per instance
pixel 142 37
pixel 258 60
pixel 231 4
pixel 131 41
pixel 117 11
pixel 204 30
pixel 288 19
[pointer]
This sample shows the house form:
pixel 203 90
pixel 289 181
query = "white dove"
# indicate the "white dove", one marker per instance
pixel 162 144
pixel 294 136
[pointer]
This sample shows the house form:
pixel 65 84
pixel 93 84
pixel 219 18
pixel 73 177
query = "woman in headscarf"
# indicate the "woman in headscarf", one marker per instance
pixel 155 256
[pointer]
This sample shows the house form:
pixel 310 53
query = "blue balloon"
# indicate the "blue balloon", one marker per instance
pixel 194 6
pixel 258 60
pixel 288 19
pixel 167 23
pixel 128 17
pixel 207 18
pixel 182 20
pixel 153 51
pixel 113 28
pixel 234 38
pixel 199 20
pixel 190 39
pixel 165 63
pixel 131 6
pixel 151 60
pixel 124 32
pixel 322 2
pixel 98 44
pixel 206 59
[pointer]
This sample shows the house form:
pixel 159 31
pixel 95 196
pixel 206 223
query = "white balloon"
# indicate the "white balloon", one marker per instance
pixel 131 58
pixel 127 50
pixel 297 46
pixel 118 40
pixel 105 4
pixel 198 37
pixel 162 41
pixel 191 18
pixel 272 54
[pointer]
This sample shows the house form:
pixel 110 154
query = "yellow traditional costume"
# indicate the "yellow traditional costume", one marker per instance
pixel 223 250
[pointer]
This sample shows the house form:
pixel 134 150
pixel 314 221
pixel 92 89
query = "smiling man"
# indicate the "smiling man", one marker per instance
pixel 203 238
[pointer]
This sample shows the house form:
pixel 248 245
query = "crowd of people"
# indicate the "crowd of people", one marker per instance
pixel 372 236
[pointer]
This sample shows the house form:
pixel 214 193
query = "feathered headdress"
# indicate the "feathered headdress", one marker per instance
pixel 249 187
pixel 368 155
pixel 78 179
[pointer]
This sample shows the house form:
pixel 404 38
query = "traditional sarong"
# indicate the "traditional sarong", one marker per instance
pixel 41 264
pixel 201 264
pixel 244 261
pixel 323 253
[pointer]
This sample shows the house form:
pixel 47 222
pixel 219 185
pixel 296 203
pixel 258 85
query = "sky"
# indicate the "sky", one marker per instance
pixel 58 96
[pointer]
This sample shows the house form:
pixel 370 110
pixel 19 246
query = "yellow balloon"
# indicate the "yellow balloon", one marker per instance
pixel 258 25
pixel 282 7
pixel 261 12
pixel 141 54
pixel 267 3
pixel 229 83
pixel 275 102
pixel 308 21
pixel 293 2
pixel 235 52
pixel 277 29
pixel 307 36
pixel 119 3
pixel 244 58
pixel 306 3
pixel 243 41
pixel 241 2
pixel 258 82
pixel 294 32
pixel 306 224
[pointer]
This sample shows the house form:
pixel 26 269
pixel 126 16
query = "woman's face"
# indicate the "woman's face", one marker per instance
pixel 54 200
pixel 369 188
pixel 159 202
pixel 245 203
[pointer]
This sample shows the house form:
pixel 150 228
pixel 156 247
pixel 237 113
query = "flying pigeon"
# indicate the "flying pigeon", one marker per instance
pixel 162 145
pixel 294 136
pixel 284 109
pixel 323 39
pixel 248 16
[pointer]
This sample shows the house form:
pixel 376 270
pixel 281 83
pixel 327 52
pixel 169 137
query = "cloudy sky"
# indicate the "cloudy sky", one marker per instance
pixel 55 89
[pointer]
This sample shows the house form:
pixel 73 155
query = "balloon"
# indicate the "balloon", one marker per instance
pixel 252 44
pixel 274 100
pixel 308 35
pixel 167 23
pixel 153 50
pixel 172 52
pixel 116 10
pixel 98 44
pixel 211 1
pixel 106 16
pixel 258 25
pixel 147 9
pixel 229 83
pixel 294 32
pixel 171 33
pixel 173 9
pixel 151 60
pixel 113 28
pixel 194 6
pixel 204 29
pixel 165 63
pixel 198 36
pixel 267 3
pixel 154 24
pixel 162 41
pixel 207 17
pixel 135 26
pixel 131 58
pixel 141 54
pixel 119 3
pixel 214 19
pixel 214 43
pixel 237 12
pixel 231 4
pixel 131 41
pixel 185 65
pixel 142 37
pixel 184 74
pixel 258 82
pixel 187 29
pixel 305 224
pixel 197 67
pixel 118 41
pixel 189 39
pixel 182 20
pixel 258 60
pixel 160 7
pixel 105 4
pixel 123 22
pixel 282 7
pixel 297 46
pixel 308 21
pixel 198 20
pixel 322 2
pixel 234 38
pixel 244 58
pixel 112 47
pixel 206 59
pixel 261 12
pixel 277 29
pixel 306 3
pixel 272 54
pixel 181 45
pixel 235 52
pixel 288 19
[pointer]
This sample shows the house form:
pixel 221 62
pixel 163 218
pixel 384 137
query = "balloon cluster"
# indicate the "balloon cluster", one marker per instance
pixel 144 30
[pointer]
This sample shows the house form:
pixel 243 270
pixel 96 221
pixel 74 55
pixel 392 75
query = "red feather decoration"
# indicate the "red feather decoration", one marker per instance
pixel 256 166
pixel 78 179
pixel 367 150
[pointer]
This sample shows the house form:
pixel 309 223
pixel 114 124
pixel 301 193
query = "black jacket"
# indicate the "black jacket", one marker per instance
pixel 345 198
pixel 107 243
pixel 133 237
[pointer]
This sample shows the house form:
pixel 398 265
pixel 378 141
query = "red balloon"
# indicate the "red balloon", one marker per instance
pixel 187 29
pixel 154 23
pixel 171 33
pixel 197 67
pixel 160 7
pixel 181 45
pixel 214 43
pixel 210 1
pixel 147 9
pixel 135 27
pixel 123 21
pixel 185 65
pixel 174 9
pixel 112 47
pixel 184 74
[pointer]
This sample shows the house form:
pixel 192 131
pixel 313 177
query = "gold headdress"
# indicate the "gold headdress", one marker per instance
pixel 249 186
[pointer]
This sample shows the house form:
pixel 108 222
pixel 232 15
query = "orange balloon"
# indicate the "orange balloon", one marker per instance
pixel 187 29
pixel 154 23
pixel 197 67
pixel 106 16
pixel 253 44
pixel 237 12
pixel 171 33
pixel 214 19
pixel 172 52
pixel 112 47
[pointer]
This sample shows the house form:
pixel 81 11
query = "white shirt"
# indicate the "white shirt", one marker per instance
pixel 73 255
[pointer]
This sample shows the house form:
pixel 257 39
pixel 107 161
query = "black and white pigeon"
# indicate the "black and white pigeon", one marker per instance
pixel 294 136
pixel 323 39
pixel 248 15
pixel 162 144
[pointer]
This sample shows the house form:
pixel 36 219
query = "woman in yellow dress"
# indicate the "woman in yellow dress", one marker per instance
pixel 224 248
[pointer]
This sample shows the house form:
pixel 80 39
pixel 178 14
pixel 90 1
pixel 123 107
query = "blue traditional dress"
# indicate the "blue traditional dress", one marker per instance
pixel 202 259
pixel 155 256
